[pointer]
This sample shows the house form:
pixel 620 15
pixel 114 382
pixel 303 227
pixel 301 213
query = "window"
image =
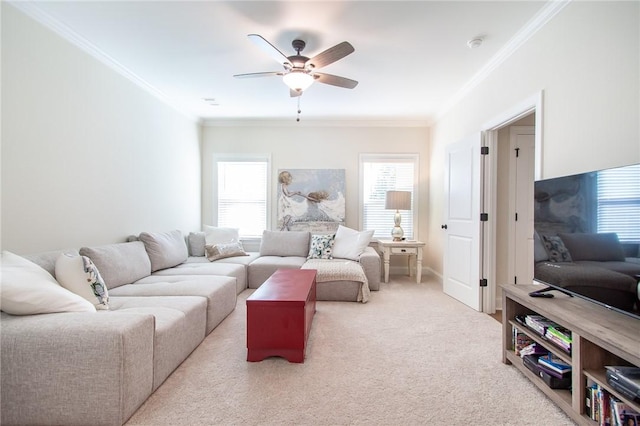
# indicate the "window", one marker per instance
pixel 619 202
pixel 380 173
pixel 242 194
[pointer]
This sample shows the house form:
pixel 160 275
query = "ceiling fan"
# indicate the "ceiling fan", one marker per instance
pixel 299 71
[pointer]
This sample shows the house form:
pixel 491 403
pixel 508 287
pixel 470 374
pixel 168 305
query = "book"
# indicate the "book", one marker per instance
pixel 603 407
pixel 592 397
pixel 538 323
pixel 560 343
pixel 520 341
pixel 533 349
pixel 560 333
pixel 560 336
pixel 622 414
pixel 554 363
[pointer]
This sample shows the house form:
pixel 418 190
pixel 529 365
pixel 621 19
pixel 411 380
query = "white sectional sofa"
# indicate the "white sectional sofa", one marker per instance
pixel 165 297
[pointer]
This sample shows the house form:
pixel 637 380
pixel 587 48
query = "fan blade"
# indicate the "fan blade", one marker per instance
pixel 295 93
pixel 331 55
pixel 269 49
pixel 335 80
pixel 258 74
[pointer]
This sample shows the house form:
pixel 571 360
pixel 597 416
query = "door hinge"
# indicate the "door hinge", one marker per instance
pixel 517 152
pixel 484 150
pixel 483 282
pixel 515 280
pixel 516 217
pixel 484 217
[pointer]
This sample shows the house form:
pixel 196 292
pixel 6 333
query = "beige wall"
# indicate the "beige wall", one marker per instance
pixel 586 63
pixel 87 156
pixel 309 146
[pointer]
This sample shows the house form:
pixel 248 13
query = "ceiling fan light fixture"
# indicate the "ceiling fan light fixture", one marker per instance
pixel 298 80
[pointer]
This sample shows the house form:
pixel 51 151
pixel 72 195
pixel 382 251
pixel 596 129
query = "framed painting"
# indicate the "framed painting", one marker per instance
pixel 311 199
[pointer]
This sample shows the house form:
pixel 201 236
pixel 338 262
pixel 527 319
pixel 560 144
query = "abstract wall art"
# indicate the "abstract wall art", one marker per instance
pixel 311 199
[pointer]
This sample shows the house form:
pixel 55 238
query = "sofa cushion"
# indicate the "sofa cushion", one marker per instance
pixel 79 275
pixel 217 235
pixel 165 249
pixel 602 247
pixel 196 241
pixel 219 291
pixel 120 263
pixel 222 251
pixel 27 289
pixel 321 247
pixel 237 271
pixel 349 243
pixel 264 266
pixel 47 260
pixel 556 249
pixel 180 324
pixel 285 243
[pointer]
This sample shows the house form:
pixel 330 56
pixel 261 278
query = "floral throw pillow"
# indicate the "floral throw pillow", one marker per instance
pixel 321 247
pixel 81 276
pixel 556 249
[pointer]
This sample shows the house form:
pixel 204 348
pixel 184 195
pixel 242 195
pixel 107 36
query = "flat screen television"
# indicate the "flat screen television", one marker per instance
pixel 587 237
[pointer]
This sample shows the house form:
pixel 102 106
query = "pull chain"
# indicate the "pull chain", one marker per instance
pixel 299 111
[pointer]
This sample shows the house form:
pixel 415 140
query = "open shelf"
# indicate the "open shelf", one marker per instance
pixel 600 337
pixel 600 378
pixel 548 344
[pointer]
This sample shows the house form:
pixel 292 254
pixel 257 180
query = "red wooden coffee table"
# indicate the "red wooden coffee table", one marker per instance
pixel 279 315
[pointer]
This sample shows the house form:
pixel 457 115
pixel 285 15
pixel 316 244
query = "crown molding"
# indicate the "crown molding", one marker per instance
pixel 372 122
pixel 39 15
pixel 544 15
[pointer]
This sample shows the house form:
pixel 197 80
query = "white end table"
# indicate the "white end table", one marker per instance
pixel 405 248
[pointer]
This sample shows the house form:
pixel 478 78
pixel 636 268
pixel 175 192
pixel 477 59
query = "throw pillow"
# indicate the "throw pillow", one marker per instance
pixel 555 249
pixel 165 249
pixel 221 251
pixel 27 289
pixel 285 243
pixel 539 251
pixel 121 263
pixel 196 243
pixel 349 243
pixel 321 247
pixel 214 235
pixel 79 275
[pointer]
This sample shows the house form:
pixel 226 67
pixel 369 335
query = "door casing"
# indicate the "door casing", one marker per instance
pixel 533 104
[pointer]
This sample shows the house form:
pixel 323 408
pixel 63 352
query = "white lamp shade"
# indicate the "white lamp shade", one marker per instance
pixel 398 200
pixel 298 80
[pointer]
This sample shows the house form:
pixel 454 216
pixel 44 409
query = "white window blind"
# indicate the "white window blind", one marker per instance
pixel 379 175
pixel 242 196
pixel 619 202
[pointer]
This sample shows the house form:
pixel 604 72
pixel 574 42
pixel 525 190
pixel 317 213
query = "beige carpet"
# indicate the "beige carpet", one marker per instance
pixel 410 356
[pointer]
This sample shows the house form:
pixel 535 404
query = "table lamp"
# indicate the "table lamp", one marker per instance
pixel 398 200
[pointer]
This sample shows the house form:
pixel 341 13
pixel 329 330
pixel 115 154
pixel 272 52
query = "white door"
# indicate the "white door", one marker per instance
pixel 522 144
pixel 461 227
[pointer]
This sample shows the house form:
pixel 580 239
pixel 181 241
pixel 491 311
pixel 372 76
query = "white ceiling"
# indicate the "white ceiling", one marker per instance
pixel 411 57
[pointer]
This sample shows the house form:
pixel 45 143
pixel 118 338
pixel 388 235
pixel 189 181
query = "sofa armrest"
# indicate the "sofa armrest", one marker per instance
pixel 75 368
pixel 370 261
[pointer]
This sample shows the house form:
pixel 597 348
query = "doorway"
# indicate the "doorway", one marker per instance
pixel 507 246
